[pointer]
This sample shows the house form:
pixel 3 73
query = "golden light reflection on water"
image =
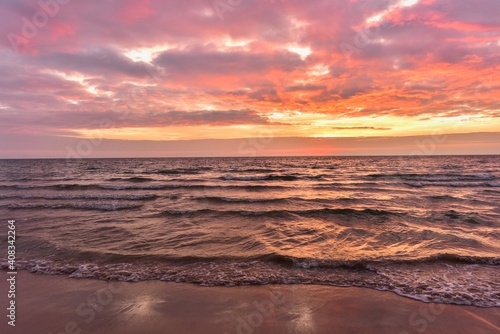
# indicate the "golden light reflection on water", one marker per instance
pixel 142 305
pixel 349 238
pixel 303 322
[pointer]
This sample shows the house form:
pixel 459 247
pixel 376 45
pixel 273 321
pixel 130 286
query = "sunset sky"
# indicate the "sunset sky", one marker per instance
pixel 137 74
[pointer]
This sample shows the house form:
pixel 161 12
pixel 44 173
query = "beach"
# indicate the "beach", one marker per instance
pixel 57 304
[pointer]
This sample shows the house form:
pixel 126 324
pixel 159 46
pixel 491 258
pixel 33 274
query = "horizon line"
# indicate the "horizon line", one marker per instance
pixel 265 156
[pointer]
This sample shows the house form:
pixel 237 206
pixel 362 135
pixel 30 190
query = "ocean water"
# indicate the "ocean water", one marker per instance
pixel 422 227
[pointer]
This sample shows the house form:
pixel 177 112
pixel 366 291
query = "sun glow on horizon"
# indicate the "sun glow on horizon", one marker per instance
pixel 297 69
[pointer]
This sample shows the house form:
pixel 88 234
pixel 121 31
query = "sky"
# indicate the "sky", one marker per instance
pixel 248 77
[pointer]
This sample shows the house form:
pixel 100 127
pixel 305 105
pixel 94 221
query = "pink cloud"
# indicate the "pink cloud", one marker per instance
pixel 431 59
pixel 134 11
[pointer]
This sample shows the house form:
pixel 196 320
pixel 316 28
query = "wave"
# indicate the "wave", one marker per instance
pixel 47 178
pixel 452 184
pixel 192 184
pixel 369 264
pixel 180 171
pixel 221 199
pixel 278 259
pixel 319 213
pixel 85 197
pixel 454 258
pixel 253 170
pixel 239 200
pixel 269 177
pixel 443 197
pixel 96 206
pixel 434 177
pixel 143 187
pixel 17 186
pixel 132 179
pixel 491 191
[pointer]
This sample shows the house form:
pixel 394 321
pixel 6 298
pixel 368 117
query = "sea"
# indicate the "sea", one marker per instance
pixel 424 227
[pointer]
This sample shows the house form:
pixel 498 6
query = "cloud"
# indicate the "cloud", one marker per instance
pixel 423 62
pixel 357 128
pixel 95 120
pixel 98 62
pixel 297 88
pixel 185 63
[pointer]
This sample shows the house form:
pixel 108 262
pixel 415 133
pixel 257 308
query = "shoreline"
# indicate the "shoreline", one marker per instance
pixel 58 304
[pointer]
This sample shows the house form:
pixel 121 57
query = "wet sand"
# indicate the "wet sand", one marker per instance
pixel 57 304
